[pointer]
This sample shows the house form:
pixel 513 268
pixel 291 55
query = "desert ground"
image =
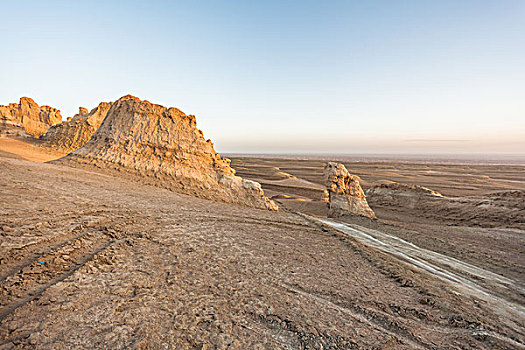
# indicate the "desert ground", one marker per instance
pixel 482 220
pixel 96 260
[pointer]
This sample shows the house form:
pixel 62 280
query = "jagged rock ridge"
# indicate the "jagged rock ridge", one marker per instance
pixel 345 193
pixel 163 146
pixel 75 132
pixel 28 117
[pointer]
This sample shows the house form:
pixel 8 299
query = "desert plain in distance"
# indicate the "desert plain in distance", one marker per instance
pixel 106 248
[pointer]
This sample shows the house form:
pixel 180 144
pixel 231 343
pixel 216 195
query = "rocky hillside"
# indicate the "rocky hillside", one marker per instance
pixel 27 117
pixel 74 133
pixel 162 146
pixel 345 193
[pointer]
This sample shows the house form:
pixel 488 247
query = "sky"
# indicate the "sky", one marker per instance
pixel 283 76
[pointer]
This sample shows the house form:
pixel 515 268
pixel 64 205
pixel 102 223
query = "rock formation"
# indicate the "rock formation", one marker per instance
pixel 74 133
pixel 325 196
pixel 82 111
pixel 345 192
pixel 400 195
pixel 162 146
pixel 403 202
pixel 29 117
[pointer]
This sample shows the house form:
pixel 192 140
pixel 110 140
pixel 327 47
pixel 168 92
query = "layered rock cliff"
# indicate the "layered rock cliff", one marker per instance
pixel 400 195
pixel 345 193
pixel 162 146
pixel 74 133
pixel 399 201
pixel 29 117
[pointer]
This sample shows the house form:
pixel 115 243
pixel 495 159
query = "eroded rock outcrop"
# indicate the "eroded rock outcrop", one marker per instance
pixel 82 111
pixel 74 133
pixel 162 146
pixel 345 193
pixel 400 194
pixel 325 196
pixel 27 116
pixel 414 203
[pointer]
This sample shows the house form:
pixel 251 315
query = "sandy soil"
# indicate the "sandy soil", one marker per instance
pixel 28 149
pixel 89 260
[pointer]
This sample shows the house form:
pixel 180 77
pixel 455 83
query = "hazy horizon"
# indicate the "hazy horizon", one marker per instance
pixel 380 77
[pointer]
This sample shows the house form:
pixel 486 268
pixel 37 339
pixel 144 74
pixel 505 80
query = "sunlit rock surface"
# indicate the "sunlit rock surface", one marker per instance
pixel 162 146
pixel 28 117
pixel 345 193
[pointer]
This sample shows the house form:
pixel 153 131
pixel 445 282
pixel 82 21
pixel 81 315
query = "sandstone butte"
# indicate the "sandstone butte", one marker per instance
pixel 27 115
pixel 75 132
pixel 345 193
pixel 162 146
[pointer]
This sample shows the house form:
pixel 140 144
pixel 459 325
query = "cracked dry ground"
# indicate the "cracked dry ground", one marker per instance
pixel 91 261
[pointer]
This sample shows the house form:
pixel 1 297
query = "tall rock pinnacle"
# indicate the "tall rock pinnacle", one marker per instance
pixel 345 193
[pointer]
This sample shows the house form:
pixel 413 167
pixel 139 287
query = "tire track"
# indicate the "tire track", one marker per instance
pixel 465 285
pixel 36 251
pixel 29 284
pixel 55 265
pixel 31 281
pixel 365 316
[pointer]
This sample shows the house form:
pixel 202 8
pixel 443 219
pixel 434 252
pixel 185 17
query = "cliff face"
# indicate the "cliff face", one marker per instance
pixel 74 133
pixel 27 115
pixel 163 146
pixel 345 193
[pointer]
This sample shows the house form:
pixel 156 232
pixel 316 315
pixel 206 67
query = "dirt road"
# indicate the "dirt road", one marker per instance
pixel 502 293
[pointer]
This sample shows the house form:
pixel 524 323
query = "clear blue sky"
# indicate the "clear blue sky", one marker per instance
pixel 285 76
